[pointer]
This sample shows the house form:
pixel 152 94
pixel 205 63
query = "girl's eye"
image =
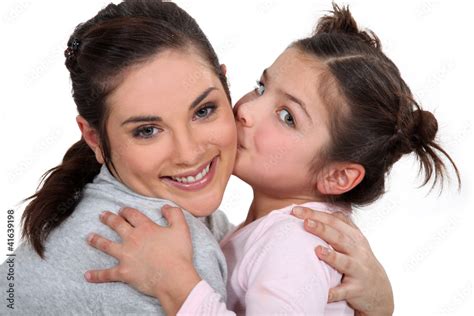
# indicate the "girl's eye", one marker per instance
pixel 260 88
pixel 286 118
pixel 205 111
pixel 146 132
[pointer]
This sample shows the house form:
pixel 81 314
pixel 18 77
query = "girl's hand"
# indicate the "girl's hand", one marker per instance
pixel 365 285
pixel 153 259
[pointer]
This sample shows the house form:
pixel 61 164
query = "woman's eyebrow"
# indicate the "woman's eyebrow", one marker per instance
pixel 154 118
pixel 142 118
pixel 201 97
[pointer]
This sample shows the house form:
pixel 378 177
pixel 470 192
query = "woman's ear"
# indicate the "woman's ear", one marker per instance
pixel 91 137
pixel 339 178
pixel 224 69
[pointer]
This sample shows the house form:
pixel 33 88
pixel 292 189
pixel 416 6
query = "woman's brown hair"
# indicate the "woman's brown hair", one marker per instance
pixel 374 118
pixel 98 54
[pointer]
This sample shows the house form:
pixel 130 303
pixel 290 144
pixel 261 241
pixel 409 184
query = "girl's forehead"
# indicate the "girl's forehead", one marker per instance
pixel 296 70
pixel 302 76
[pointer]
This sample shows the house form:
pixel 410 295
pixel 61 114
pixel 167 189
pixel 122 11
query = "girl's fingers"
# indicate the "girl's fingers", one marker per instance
pixel 104 245
pixel 333 220
pixel 174 216
pixel 326 218
pixel 116 222
pixel 101 276
pixel 134 217
pixel 339 293
pixel 341 262
pixel 336 239
pixel 346 219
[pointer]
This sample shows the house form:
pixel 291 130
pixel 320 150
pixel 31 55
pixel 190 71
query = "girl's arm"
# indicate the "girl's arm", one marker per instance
pixel 153 259
pixel 151 277
pixel 158 261
pixel 365 285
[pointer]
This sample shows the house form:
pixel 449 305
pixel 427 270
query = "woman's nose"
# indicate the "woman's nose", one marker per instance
pixel 188 150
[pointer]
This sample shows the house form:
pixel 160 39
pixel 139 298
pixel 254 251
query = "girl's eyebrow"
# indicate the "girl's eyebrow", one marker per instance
pixel 154 118
pixel 297 101
pixel 265 76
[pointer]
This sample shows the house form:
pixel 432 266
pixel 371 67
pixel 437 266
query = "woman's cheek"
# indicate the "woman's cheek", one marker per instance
pixel 226 130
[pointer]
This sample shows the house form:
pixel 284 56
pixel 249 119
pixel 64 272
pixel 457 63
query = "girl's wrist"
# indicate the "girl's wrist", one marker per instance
pixel 385 312
pixel 175 289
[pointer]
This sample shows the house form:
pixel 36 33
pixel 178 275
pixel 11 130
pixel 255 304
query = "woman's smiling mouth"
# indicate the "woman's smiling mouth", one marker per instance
pixel 195 180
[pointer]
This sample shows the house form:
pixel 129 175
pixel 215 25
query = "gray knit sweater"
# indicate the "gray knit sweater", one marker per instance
pixel 56 285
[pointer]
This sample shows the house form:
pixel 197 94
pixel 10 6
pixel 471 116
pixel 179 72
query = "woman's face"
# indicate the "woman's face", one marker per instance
pixel 172 131
pixel 282 126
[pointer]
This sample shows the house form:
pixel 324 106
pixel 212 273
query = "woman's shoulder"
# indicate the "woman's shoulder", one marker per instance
pixel 218 224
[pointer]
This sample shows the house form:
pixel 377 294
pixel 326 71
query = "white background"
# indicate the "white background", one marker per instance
pixel 423 240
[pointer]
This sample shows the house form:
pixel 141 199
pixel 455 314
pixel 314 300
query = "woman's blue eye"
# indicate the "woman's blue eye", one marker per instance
pixel 260 88
pixel 146 132
pixel 286 118
pixel 205 111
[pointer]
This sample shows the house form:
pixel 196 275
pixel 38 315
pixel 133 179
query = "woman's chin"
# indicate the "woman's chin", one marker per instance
pixel 202 208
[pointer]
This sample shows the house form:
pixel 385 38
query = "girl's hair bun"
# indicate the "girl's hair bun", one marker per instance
pixel 425 126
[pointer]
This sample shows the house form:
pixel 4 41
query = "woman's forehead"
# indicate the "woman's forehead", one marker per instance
pixel 171 78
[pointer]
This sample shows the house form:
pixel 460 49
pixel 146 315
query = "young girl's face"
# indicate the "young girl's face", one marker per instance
pixel 172 131
pixel 282 125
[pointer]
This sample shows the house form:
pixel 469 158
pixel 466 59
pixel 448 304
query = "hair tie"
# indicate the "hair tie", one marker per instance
pixel 72 48
pixel 399 131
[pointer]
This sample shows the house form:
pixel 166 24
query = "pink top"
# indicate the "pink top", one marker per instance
pixel 272 270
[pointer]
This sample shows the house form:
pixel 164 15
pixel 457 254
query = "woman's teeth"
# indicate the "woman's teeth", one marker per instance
pixel 191 179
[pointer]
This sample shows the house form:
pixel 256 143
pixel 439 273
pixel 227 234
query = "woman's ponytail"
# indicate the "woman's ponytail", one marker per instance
pixel 59 194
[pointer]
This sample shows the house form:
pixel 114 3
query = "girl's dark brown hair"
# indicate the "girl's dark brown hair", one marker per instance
pixel 374 119
pixel 98 54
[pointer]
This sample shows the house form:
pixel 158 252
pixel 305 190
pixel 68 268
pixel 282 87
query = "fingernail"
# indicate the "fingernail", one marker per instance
pixel 298 211
pixel 89 237
pixel 311 223
pixel 87 275
pixel 325 251
pixel 101 215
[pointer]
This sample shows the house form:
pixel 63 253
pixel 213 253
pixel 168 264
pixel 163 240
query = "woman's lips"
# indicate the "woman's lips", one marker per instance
pixel 198 184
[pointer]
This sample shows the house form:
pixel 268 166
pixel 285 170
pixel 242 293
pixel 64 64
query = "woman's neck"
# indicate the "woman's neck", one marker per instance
pixel 263 204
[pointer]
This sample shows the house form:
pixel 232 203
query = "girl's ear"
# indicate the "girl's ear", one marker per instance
pixel 90 136
pixel 339 178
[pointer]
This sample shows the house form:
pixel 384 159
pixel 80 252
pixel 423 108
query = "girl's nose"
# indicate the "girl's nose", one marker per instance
pixel 244 115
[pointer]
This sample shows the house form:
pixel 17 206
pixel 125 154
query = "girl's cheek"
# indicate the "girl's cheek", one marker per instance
pixel 267 139
pixel 275 146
